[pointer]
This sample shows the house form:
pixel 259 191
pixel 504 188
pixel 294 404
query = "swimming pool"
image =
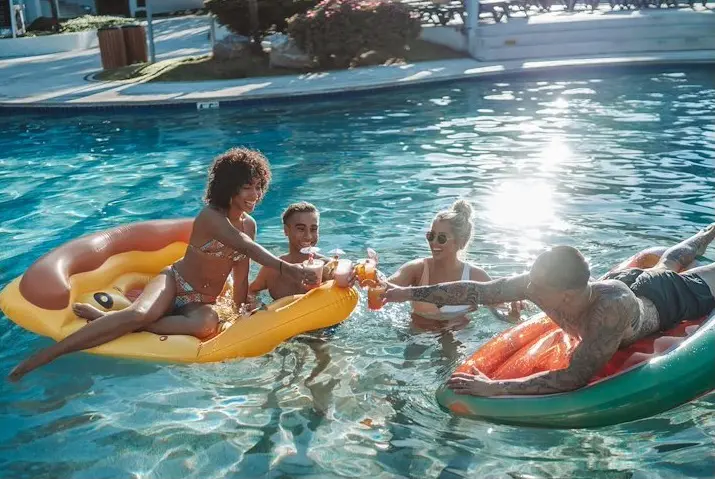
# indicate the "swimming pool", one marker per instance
pixel 612 162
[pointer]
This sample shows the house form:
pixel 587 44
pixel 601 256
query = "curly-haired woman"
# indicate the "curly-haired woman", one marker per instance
pixel 179 299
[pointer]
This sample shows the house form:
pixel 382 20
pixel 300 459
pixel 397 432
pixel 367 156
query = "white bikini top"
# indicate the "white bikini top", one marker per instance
pixel 445 313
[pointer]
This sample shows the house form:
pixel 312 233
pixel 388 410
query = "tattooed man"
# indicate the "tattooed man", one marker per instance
pixel 606 314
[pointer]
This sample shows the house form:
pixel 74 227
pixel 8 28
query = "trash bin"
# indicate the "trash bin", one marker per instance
pixel 111 47
pixel 135 43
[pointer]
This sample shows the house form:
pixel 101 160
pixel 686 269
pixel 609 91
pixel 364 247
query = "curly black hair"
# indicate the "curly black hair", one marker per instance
pixel 233 169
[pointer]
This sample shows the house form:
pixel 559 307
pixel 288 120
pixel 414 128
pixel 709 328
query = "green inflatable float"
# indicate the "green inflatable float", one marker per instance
pixel 651 376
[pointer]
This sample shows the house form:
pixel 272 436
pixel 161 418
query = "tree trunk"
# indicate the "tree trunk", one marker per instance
pixel 253 18
pixel 55 12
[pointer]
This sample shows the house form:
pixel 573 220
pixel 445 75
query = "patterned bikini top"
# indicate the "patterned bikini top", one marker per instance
pixel 219 250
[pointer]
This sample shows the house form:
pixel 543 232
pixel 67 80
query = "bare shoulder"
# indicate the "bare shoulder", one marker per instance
pixel 269 274
pixel 613 307
pixel 250 226
pixel 614 304
pixel 205 222
pixel 209 219
pixel 414 267
pixel 206 214
pixel 409 273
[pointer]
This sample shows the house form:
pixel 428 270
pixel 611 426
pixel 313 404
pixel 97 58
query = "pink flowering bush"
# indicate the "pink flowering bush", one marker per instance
pixel 337 32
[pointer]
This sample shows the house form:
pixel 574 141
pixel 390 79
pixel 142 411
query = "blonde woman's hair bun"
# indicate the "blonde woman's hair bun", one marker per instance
pixel 460 219
pixel 462 208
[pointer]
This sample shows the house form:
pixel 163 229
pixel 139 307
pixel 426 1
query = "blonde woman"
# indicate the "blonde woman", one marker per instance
pixel 449 234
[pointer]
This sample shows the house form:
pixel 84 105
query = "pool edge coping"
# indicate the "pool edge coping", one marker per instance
pixel 476 70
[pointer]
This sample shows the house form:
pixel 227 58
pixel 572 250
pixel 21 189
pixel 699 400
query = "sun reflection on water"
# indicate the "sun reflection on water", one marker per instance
pixel 522 203
pixel 556 152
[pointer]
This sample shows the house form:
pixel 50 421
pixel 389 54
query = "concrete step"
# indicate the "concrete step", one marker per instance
pixel 546 22
pixel 633 32
pixel 601 47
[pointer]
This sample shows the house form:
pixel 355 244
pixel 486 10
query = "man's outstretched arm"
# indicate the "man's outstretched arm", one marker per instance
pixel 592 353
pixel 464 292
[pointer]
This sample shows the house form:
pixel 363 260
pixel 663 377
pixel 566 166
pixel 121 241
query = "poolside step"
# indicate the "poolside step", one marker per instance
pixel 556 36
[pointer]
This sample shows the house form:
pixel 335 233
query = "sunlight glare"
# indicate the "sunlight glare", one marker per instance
pixel 522 203
pixel 560 102
pixel 554 153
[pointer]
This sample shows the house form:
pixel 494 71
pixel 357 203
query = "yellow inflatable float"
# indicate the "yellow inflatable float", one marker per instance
pixel 108 270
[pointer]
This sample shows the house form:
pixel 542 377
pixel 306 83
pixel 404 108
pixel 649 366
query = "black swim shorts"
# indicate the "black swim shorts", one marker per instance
pixel 677 297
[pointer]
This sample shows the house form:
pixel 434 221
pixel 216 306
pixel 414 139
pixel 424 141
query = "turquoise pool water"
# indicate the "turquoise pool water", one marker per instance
pixel 610 161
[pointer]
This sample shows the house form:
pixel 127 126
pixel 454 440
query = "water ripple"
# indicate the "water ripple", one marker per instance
pixel 611 162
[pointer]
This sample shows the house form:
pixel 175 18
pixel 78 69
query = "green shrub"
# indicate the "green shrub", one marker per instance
pixel 272 14
pixel 42 24
pixel 337 32
pixel 93 22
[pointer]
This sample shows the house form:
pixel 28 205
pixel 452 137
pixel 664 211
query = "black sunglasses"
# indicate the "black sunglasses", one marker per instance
pixel 441 238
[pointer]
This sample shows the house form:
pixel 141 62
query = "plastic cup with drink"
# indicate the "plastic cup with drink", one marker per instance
pixel 375 293
pixel 369 277
pixel 366 269
pixel 313 264
pixel 343 271
pixel 341 268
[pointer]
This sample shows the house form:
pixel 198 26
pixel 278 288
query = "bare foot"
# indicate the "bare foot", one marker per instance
pixel 23 368
pixel 705 237
pixel 17 373
pixel 87 311
pixel 38 359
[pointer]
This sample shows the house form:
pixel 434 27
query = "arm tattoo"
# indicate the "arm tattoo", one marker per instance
pixel 473 292
pixel 608 320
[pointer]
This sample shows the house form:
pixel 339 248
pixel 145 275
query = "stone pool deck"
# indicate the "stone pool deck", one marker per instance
pixel 60 80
